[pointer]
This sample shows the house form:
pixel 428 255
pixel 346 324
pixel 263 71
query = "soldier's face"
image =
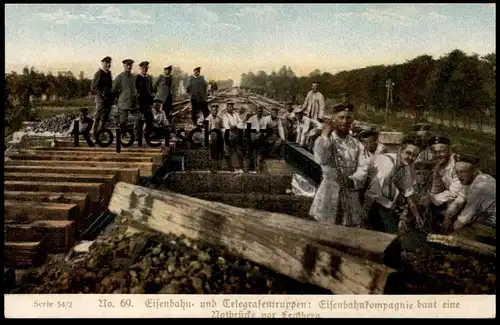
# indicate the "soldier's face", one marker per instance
pixel 83 115
pixel 465 172
pixel 167 71
pixel 259 111
pixel 315 87
pixel 422 176
pixel 230 108
pixel 289 108
pixel 106 66
pixel 157 107
pixel 343 121
pixel 127 67
pixel 442 152
pixel 423 134
pixel 409 154
pixel 197 72
pixel 144 70
pixel 370 143
pixel 213 110
pixel 274 113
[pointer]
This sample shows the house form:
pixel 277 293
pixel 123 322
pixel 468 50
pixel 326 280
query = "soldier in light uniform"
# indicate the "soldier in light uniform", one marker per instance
pixel 369 138
pixel 231 123
pixel 163 89
pixel 197 88
pixel 125 88
pixel 389 178
pixel 345 168
pixel 314 104
pixel 274 142
pixel 102 85
pixel 215 142
pixel 477 220
pixel 255 149
pixel 423 130
pixel 447 193
pixel 144 86
pixel 307 129
pixel 290 123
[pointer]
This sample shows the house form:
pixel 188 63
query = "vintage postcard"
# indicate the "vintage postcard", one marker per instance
pixel 250 160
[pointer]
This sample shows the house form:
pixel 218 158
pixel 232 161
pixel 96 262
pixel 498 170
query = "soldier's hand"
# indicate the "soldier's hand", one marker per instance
pixel 327 129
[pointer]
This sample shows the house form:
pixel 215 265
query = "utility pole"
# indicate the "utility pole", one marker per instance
pixel 389 85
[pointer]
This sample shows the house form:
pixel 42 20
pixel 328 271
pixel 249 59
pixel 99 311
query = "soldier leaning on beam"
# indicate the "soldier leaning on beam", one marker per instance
pixel 125 88
pixel 163 89
pixel 477 220
pixel 144 86
pixel 345 168
pixel 447 194
pixel 101 87
pixel 197 89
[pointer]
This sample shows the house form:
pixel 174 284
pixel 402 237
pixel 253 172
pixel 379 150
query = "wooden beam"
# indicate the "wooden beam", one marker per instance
pixel 22 254
pixel 28 211
pixel 97 153
pixel 94 190
pixel 99 149
pixel 127 175
pixel 51 177
pixel 273 247
pixel 93 157
pixel 145 169
pixel 226 182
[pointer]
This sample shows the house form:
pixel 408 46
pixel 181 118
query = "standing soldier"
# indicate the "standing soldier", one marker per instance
pixel 290 123
pixel 163 89
pixel 101 87
pixel 344 167
pixel 423 131
pixel 447 193
pixel 314 105
pixel 125 88
pixel 144 86
pixel 197 89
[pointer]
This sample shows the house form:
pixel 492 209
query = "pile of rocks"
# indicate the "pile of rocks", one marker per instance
pixel 58 124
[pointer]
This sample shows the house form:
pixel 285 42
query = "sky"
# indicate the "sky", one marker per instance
pixel 227 40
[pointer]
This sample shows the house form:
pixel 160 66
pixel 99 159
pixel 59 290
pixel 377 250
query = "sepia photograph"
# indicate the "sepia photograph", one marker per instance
pixel 254 150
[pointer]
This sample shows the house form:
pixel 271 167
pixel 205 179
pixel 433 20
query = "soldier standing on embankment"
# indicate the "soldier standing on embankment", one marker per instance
pixel 163 89
pixel 314 104
pixel 101 87
pixel 125 88
pixel 197 89
pixel 144 85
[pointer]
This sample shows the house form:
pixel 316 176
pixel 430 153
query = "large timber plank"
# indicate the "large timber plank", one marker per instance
pixel 28 211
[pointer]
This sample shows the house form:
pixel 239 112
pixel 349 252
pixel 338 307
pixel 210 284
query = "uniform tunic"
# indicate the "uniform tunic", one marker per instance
pixel 332 203
pixel 102 88
pixel 446 187
pixel 305 129
pixel 231 122
pixel 481 205
pixel 314 105
pixel 124 86
pixel 214 123
pixel 197 89
pixel 163 88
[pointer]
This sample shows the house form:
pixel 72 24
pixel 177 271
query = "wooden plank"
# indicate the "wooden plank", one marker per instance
pixel 94 190
pixel 303 163
pixel 462 243
pixel 22 254
pixel 51 177
pixel 127 175
pixel 226 182
pixel 80 199
pixel 145 169
pixel 126 154
pixel 273 247
pixel 28 211
pixel 99 149
pixel 93 157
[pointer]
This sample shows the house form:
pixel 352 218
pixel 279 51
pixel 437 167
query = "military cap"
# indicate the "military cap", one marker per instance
pixel 157 101
pixel 289 103
pixel 128 61
pixel 423 165
pixel 343 108
pixel 106 59
pixel 439 140
pixel 144 64
pixel 471 159
pixel 214 106
pixel 197 69
pixel 84 110
pixel 421 127
pixel 168 68
pixel 411 139
pixel 229 101
pixel 351 107
pixel 368 133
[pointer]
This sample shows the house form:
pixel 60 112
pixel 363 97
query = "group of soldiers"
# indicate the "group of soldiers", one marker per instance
pixel 137 96
pixel 422 187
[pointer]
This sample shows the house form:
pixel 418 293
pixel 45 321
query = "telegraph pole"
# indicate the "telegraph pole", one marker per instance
pixel 389 85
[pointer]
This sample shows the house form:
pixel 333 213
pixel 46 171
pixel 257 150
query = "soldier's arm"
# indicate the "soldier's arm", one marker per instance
pixel 454 194
pixel 321 106
pixel 281 130
pixel 116 87
pixel 188 85
pixel 150 80
pixel 156 84
pixel 306 101
pixel 94 87
pixel 361 173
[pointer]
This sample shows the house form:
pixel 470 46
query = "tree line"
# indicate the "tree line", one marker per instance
pixel 456 86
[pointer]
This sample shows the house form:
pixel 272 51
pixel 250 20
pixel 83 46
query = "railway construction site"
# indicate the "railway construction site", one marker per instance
pixel 155 220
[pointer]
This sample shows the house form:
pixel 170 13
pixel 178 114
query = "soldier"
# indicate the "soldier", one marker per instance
pixel 160 122
pixel 314 104
pixel 232 123
pixel 214 123
pixel 344 167
pixel 369 139
pixel 255 147
pixel 197 89
pixel 447 193
pixel 144 86
pixel 478 218
pixel 307 129
pixel 84 123
pixel 389 177
pixel 125 88
pixel 101 87
pixel 423 130
pixel 290 123
pixel 163 89
pixel 274 140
